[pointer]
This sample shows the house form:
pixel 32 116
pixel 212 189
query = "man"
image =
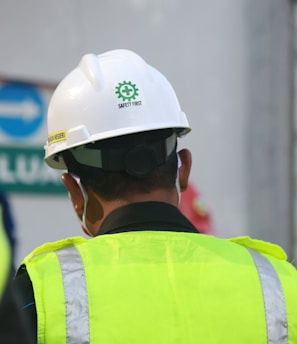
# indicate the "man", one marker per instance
pixel 12 324
pixel 8 224
pixel 147 275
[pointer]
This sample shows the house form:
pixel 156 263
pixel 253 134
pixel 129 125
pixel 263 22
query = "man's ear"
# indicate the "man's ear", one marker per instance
pixel 74 193
pixel 185 169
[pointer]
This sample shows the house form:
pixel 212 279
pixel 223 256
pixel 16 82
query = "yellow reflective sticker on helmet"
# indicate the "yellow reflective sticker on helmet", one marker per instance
pixel 57 136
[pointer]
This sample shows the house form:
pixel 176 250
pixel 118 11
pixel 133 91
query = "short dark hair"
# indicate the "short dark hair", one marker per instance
pixel 111 185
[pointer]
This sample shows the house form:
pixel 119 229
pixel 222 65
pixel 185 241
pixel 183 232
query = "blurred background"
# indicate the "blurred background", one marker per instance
pixel 232 64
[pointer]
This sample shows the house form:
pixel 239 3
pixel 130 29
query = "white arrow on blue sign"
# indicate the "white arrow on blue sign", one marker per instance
pixel 22 109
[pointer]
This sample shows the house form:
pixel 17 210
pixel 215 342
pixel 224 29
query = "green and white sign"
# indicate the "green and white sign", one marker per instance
pixel 23 108
pixel 24 170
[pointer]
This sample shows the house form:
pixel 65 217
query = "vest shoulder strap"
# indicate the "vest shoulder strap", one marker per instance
pixel 53 246
pixel 261 246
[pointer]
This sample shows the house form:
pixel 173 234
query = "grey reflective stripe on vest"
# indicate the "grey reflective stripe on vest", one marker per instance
pixel 274 300
pixel 76 296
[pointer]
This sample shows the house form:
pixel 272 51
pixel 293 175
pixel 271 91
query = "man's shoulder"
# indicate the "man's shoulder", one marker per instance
pixel 261 246
pixel 274 253
pixel 52 246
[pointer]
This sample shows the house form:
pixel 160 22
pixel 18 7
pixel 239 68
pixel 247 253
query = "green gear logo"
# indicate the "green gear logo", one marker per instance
pixel 126 90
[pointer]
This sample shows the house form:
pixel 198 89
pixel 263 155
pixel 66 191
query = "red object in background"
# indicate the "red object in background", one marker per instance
pixel 193 207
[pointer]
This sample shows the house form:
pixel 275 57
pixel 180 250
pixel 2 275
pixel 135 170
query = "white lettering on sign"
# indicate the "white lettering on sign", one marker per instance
pixel 5 174
pixel 27 170
pixel 49 175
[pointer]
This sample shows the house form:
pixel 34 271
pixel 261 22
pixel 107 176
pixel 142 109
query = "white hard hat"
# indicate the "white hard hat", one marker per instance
pixel 109 95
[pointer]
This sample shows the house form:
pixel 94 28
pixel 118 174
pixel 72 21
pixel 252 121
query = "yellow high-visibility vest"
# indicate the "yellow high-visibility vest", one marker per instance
pixel 4 255
pixel 163 287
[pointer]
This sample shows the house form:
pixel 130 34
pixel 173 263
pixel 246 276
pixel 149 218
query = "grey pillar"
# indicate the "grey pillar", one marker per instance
pixel 269 121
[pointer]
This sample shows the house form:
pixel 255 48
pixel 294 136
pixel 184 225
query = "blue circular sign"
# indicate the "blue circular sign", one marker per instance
pixel 21 109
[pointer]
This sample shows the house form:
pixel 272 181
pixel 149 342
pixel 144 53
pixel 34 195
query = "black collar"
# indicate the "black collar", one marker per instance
pixel 156 216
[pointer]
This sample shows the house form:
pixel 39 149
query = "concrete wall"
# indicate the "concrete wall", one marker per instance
pixel 269 126
pixel 207 50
